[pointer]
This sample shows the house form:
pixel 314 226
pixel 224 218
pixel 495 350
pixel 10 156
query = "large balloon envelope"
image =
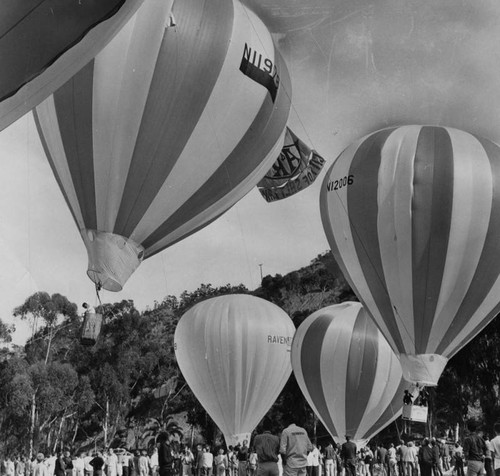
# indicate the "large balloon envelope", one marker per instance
pixel 43 43
pixel 412 215
pixel 172 123
pixel 347 372
pixel 234 352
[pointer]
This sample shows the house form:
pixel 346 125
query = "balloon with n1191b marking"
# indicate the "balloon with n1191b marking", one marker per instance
pixel 168 127
pixel 234 352
pixel 347 372
pixel 412 215
pixel 44 43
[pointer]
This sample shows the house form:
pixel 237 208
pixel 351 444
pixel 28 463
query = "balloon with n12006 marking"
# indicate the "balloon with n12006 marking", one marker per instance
pixel 412 215
pixel 234 352
pixel 347 372
pixel 168 127
pixel 44 43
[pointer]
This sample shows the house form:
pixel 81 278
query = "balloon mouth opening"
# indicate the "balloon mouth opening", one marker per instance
pixel 107 283
pixel 422 369
pixel 112 258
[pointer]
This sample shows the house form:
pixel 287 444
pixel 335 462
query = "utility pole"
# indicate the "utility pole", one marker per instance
pixel 260 266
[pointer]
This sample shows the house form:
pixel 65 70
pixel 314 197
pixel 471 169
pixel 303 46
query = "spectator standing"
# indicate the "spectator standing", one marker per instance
pixel 488 457
pixel 458 459
pixel 252 463
pixel 207 462
pixel 348 455
pixel 495 445
pixel 143 464
pixel 474 451
pixel 243 458
pixel 111 463
pixel 425 458
pixel 294 446
pixel 187 460
pixel 79 465
pixel 267 447
pixel 330 460
pixel 446 455
pixel 221 463
pixel 97 463
pixel 39 468
pixel 88 470
pixel 165 455
pixel 381 459
pixel 392 460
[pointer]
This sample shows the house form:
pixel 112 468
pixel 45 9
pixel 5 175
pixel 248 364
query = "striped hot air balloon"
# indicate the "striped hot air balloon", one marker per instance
pixel 347 371
pixel 45 42
pixel 172 123
pixel 412 215
pixel 234 352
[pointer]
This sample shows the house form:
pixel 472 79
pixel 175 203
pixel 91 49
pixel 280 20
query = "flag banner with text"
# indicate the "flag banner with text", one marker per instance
pixel 294 170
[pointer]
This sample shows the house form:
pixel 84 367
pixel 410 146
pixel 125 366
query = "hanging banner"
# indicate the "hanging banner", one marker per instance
pixel 294 170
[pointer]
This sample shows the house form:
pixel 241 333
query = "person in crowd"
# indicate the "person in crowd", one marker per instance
pixel 445 455
pixel 474 451
pixel 402 457
pixel 187 460
pixel 313 461
pixel 221 463
pixel 458 459
pixel 9 468
pixel 252 463
pixel 488 457
pixel 348 454
pixel 411 463
pixel 381 459
pixel 111 463
pixel 153 461
pixel 392 460
pixel 39 468
pixel 321 471
pixel 330 460
pixel 19 466
pixel 368 461
pixel 143 463
pixel 165 455
pixel 79 465
pixel 425 458
pixel 97 463
pixel 294 446
pixel 436 460
pixel 88 470
pixel 232 461
pixel 242 453
pixel 267 447
pixel 495 445
pixel 207 461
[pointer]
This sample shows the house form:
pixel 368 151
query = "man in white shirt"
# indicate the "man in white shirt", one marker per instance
pixel 39 468
pixel 495 445
pixel 78 465
pixel 294 447
pixel 88 469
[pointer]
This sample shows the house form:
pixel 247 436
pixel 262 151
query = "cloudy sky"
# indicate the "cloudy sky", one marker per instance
pixel 356 66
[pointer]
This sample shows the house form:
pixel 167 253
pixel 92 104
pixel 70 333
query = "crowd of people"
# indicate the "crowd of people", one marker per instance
pixel 289 454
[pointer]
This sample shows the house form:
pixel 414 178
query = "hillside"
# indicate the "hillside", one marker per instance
pixel 121 391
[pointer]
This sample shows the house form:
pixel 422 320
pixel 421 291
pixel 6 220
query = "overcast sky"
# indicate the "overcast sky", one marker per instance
pixel 356 66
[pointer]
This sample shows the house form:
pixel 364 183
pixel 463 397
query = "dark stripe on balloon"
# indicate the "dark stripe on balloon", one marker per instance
pixel 73 105
pixel 486 272
pixel 264 132
pixel 361 370
pixel 28 44
pixel 362 209
pixel 46 148
pixel 311 351
pixel 180 89
pixel 431 213
pixel 390 413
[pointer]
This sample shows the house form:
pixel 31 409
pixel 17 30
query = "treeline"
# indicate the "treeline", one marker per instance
pixel 121 391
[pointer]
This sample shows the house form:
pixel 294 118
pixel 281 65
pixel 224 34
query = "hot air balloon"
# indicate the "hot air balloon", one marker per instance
pixel 171 124
pixel 412 215
pixel 347 372
pixel 44 43
pixel 234 352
